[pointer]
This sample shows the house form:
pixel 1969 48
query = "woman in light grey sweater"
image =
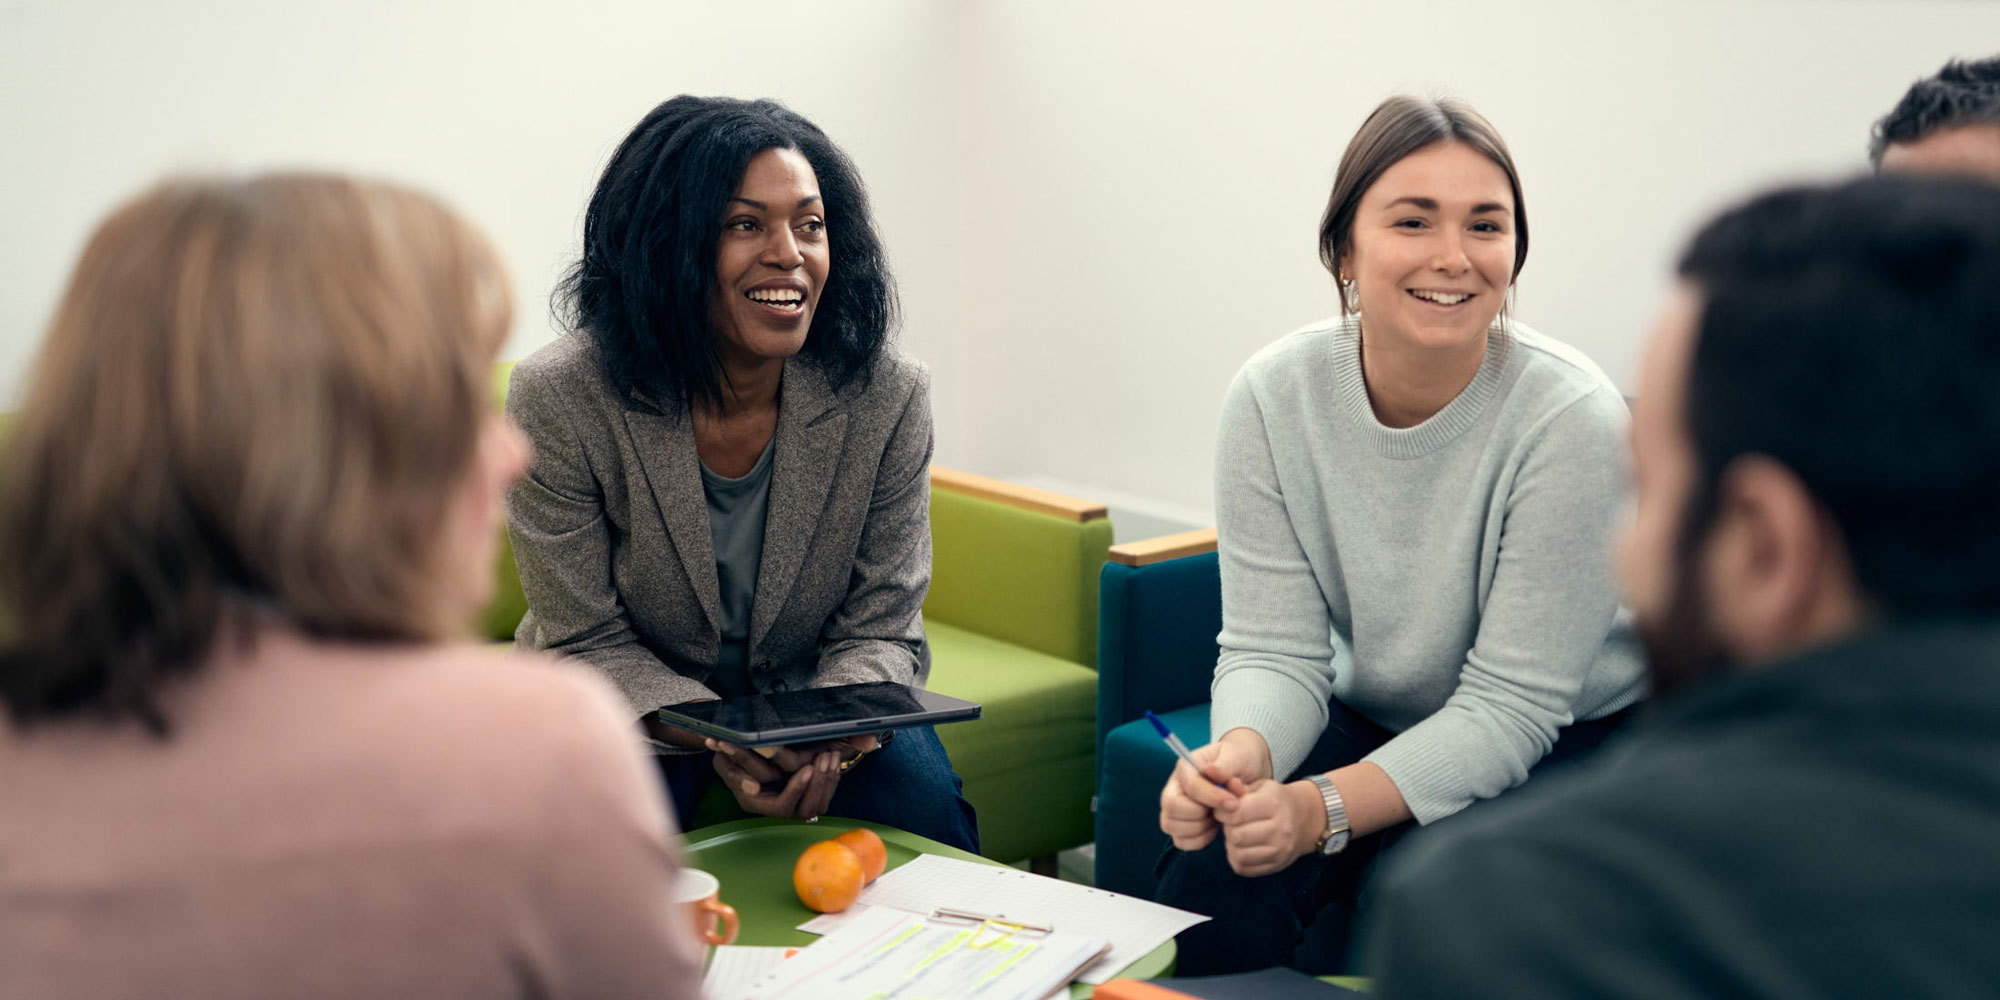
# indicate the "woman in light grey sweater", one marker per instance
pixel 1415 504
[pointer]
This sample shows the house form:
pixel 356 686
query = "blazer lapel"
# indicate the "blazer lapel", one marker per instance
pixel 803 466
pixel 665 446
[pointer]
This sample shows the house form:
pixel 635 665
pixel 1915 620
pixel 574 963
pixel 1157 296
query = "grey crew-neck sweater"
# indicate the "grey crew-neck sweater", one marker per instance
pixel 1450 581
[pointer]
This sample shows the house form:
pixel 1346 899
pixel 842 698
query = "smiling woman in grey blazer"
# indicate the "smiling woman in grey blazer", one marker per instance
pixel 731 486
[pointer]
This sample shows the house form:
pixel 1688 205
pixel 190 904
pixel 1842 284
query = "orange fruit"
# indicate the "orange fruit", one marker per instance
pixel 869 848
pixel 828 877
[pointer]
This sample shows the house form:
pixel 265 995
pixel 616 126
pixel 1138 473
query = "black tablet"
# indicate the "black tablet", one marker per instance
pixel 817 713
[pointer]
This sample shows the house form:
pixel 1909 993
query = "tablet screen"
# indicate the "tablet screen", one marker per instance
pixel 817 713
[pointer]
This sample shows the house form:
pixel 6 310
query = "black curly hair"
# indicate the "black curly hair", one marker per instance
pixel 1961 94
pixel 641 287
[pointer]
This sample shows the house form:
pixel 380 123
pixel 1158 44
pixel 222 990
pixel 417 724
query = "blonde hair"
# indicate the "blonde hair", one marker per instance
pixel 258 392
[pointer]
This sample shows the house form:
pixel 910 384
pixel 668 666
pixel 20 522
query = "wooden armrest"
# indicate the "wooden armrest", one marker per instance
pixel 1148 551
pixel 1025 497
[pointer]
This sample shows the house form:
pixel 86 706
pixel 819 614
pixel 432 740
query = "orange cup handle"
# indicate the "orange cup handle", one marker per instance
pixel 723 914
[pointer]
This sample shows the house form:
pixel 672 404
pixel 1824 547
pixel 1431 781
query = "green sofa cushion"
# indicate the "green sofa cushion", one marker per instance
pixel 502 373
pixel 1028 762
pixel 508 604
pixel 1017 575
pixel 504 611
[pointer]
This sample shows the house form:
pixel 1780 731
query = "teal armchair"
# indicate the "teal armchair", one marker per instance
pixel 1160 609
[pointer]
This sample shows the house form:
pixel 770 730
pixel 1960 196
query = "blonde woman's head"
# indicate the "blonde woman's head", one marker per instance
pixel 266 393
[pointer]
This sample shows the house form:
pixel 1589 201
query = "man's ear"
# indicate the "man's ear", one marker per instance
pixel 1777 566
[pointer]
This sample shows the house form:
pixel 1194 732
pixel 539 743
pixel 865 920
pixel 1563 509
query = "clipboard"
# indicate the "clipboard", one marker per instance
pixel 889 952
pixel 928 884
pixel 813 714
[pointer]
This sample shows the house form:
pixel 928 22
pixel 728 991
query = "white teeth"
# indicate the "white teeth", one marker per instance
pixel 777 296
pixel 1441 298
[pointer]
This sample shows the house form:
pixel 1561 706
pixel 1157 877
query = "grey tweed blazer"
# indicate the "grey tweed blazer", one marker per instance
pixel 611 535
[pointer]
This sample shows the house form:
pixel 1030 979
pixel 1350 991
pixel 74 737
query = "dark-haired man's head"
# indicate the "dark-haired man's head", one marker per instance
pixel 1817 434
pixel 1947 123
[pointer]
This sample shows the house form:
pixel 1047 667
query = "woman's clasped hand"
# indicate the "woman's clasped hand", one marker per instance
pixel 793 782
pixel 1265 824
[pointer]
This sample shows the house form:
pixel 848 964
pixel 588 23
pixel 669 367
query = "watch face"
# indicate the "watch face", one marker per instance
pixel 1335 843
pixel 1336 813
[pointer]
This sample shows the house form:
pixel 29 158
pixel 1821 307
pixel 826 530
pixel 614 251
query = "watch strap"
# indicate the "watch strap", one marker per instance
pixel 1334 840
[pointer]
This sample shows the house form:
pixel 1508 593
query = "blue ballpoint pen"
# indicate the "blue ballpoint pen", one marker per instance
pixel 1180 749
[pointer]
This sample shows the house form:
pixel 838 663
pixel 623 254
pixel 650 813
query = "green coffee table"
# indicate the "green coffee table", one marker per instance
pixel 753 860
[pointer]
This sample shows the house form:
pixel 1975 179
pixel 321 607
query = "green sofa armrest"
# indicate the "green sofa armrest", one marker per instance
pixel 1016 563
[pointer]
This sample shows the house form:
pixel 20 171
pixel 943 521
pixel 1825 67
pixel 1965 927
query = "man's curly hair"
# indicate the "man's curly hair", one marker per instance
pixel 1960 94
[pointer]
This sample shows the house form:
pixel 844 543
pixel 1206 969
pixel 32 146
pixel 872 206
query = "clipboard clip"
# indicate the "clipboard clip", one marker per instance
pixel 983 922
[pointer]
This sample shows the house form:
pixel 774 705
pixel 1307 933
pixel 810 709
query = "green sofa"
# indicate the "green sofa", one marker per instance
pixel 1012 622
pixel 504 611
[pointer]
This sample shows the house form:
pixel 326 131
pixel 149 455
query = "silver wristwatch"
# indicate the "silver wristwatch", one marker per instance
pixel 1335 839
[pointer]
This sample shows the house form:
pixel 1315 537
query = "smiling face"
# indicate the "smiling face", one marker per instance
pixel 1433 249
pixel 771 261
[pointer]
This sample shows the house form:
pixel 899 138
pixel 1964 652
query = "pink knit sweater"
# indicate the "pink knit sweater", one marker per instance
pixel 343 820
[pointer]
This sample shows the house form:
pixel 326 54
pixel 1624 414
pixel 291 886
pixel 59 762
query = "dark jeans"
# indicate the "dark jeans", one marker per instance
pixel 1260 921
pixel 908 784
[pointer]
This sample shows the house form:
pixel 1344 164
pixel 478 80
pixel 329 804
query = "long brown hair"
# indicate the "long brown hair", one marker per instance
pixel 256 393
pixel 1396 128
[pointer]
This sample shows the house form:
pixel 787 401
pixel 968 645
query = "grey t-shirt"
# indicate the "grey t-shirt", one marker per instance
pixel 736 523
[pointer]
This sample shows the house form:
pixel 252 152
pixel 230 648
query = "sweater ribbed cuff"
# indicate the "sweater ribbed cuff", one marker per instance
pixel 1632 694
pixel 1283 711
pixel 1431 782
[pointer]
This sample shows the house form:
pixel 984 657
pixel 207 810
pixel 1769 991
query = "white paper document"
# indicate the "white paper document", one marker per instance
pixel 733 967
pixel 1133 926
pixel 889 953
pixel 827 923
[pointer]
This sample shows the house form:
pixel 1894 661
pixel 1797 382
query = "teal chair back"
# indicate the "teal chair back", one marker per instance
pixel 1160 608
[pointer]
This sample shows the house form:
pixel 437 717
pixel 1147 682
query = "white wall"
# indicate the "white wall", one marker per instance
pixel 1149 179
pixel 1097 210
pixel 508 109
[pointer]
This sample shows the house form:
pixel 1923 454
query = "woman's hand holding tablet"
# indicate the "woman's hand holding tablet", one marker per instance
pixel 782 754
